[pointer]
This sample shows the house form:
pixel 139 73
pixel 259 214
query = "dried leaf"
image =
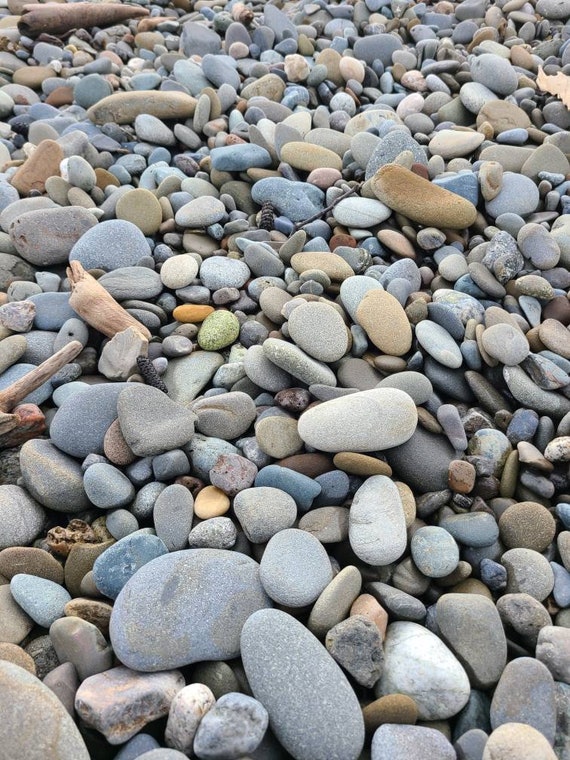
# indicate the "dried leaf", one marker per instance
pixel 558 84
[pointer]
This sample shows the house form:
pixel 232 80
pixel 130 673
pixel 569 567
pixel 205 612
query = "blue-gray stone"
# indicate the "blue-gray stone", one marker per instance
pixel 561 591
pixel 52 309
pixel 289 670
pixel 493 574
pixel 295 200
pixel 121 523
pixel 220 69
pixel 302 488
pixel 197 39
pixel 472 528
pixel 185 607
pixel 107 487
pixel 464 184
pixel 220 272
pixel 335 486
pixel 122 560
pixel 137 746
pixel 238 158
pixel 377 47
pixel 423 461
pixel 110 245
pixel 41 599
pixel 90 89
pixel 80 423
pixel 396 141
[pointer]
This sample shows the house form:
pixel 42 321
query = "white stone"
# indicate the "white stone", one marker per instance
pixel 377 523
pixel 417 663
pixel 366 421
pixel 179 271
pixel 186 711
pixel 360 212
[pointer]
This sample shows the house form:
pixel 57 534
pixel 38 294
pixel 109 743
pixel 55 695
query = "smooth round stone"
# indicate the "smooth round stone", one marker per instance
pixel 417 663
pixel 505 343
pixel 377 522
pixel 471 627
pixel 517 741
pixel 107 487
pixel 295 568
pixel 141 208
pixel 277 436
pixel 33 561
pixel 110 245
pixel 552 9
pixel 526 693
pixel 491 445
pixel 52 478
pixel 524 615
pixel 200 212
pixel 539 246
pixel 117 564
pixel 234 726
pixel 238 158
pixel 334 603
pixel 218 330
pixel 197 600
pixel 360 212
pixel 475 96
pixel 494 72
pixel 450 143
pixel 434 551
pixel 366 421
pixel 518 195
pixel 319 330
pixel 187 708
pixel 472 528
pixel 21 518
pixel 395 742
pixel 52 733
pixel 179 271
pixel 264 511
pixel 295 200
pixel 528 572
pixel 42 599
pixel 172 516
pixel 220 272
pixel 287 669
pixel 215 533
pixel 385 322
pixel 438 343
pixel 308 156
pixel 527 525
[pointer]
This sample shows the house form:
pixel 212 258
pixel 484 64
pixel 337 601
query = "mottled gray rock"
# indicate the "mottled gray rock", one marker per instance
pixel 234 726
pixel 356 644
pixel 377 523
pixel 395 742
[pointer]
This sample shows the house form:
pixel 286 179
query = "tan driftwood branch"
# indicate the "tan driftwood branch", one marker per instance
pixel 17 392
pixel 558 84
pixel 97 307
pixel 59 18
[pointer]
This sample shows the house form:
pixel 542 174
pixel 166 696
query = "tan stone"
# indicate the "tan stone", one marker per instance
pixel 330 263
pixel 211 502
pixel 93 610
pixel 385 322
pixel 420 200
pixel 32 76
pixel 142 208
pixel 392 708
pixel 43 163
pixel 308 156
pixel 278 437
pixel 367 605
pixel 190 312
pixel 124 107
pixel 408 502
pixel 502 116
pixel 18 656
pixel 517 741
pixel 361 464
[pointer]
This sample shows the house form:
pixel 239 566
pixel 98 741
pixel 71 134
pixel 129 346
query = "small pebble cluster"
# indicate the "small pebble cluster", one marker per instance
pixel 302 490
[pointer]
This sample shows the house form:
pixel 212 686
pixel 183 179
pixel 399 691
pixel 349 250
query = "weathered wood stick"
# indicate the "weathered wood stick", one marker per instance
pixel 97 307
pixel 58 18
pixel 17 392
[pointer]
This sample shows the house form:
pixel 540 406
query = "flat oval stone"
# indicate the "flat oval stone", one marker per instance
pixel 417 663
pixel 110 245
pixel 196 600
pixel 360 212
pixel 52 478
pixel 308 156
pixel 295 568
pixel 385 322
pixel 54 736
pixel 200 212
pixel 404 742
pixel 420 200
pixel 377 523
pixel 288 669
pixel 366 421
pixel 438 343
pixel 434 551
pixel 319 330
pixel 296 362
pixel 505 343
pixel 41 599
pixel 21 517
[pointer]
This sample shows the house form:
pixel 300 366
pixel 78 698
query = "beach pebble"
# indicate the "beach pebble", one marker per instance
pixel 235 725
pixel 187 709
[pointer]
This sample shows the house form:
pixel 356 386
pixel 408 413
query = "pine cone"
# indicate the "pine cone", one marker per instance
pixel 150 375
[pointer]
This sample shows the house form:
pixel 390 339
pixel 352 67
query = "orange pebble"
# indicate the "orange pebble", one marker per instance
pixel 191 312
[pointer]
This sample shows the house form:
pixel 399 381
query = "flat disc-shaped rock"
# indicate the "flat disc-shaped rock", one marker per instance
pixel 417 663
pixel 297 363
pixel 439 344
pixel 366 421
pixel 385 322
pixel 185 607
pixel 420 200
pixel 151 423
pixel 377 523
pixel 312 708
pixel 505 343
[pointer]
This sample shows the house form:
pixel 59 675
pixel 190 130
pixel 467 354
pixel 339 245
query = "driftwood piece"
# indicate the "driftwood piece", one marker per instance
pixel 59 18
pixel 558 84
pixel 97 307
pixel 17 392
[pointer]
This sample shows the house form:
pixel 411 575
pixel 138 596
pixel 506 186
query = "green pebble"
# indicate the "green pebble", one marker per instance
pixel 219 329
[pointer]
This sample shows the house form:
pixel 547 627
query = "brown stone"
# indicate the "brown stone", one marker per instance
pixel 30 560
pixel 393 708
pixel 61 96
pixel 420 200
pixel 408 501
pixel 555 336
pixel 503 116
pixel 124 107
pixel 32 76
pixel 18 656
pixel 385 322
pixel 94 611
pixel 527 525
pixel 367 605
pixel 105 178
pixel 557 309
pixel 361 464
pixel 311 465
pixel 461 476
pixel 80 560
pixel 43 163
pixel 115 448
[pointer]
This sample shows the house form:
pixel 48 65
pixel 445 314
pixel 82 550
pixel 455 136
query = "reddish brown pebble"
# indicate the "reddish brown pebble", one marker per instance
pixel 367 605
pixel 461 476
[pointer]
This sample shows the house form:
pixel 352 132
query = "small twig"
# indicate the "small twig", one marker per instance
pixel 13 394
pixel 326 210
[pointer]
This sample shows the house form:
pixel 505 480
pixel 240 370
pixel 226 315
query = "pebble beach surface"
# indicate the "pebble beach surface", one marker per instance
pixel 295 481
